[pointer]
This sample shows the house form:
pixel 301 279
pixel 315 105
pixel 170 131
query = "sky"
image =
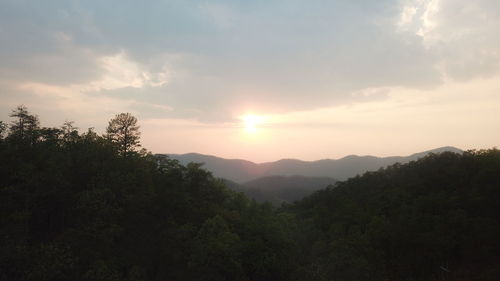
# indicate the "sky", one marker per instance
pixel 261 80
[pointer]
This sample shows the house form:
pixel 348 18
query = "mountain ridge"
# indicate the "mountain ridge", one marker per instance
pixel 241 170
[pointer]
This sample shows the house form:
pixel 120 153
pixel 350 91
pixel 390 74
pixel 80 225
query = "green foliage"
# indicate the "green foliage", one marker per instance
pixel 433 219
pixel 73 208
pixel 216 253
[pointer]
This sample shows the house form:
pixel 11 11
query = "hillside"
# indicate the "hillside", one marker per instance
pixel 85 207
pixel 433 219
pixel 281 189
pixel 242 171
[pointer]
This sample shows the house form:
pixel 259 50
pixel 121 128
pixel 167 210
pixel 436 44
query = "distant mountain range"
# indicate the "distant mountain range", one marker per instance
pixel 288 180
pixel 243 171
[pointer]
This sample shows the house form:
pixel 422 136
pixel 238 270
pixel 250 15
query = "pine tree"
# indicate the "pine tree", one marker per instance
pixel 26 126
pixel 124 131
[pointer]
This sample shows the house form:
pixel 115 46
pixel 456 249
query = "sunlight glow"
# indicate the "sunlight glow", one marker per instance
pixel 251 122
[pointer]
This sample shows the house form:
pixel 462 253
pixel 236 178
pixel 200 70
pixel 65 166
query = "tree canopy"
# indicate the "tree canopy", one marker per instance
pixel 72 207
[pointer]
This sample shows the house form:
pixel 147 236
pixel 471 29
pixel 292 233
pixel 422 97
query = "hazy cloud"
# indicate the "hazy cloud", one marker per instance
pixel 213 60
pixel 463 35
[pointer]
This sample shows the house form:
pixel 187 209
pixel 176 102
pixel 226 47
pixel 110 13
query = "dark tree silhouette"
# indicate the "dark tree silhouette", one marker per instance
pixel 73 208
pixel 25 125
pixel 124 131
pixel 3 128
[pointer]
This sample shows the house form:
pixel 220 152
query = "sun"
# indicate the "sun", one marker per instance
pixel 251 122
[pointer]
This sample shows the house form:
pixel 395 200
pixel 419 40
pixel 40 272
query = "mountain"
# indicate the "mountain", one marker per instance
pixel 242 171
pixel 236 170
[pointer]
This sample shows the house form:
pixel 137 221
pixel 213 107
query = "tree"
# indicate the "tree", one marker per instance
pixel 25 126
pixel 216 252
pixel 69 132
pixel 3 128
pixel 124 131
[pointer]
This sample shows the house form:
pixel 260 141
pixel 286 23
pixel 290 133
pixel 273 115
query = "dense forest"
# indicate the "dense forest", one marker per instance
pixel 84 206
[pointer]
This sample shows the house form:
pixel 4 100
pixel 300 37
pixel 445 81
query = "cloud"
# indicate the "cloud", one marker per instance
pixel 462 35
pixel 120 72
pixel 214 60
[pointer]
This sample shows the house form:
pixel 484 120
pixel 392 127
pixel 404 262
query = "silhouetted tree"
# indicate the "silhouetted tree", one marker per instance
pixel 124 131
pixel 25 125
pixel 69 132
pixel 3 129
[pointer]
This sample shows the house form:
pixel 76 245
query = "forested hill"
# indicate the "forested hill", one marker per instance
pixel 437 218
pixel 85 206
pixel 242 171
pixel 281 189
